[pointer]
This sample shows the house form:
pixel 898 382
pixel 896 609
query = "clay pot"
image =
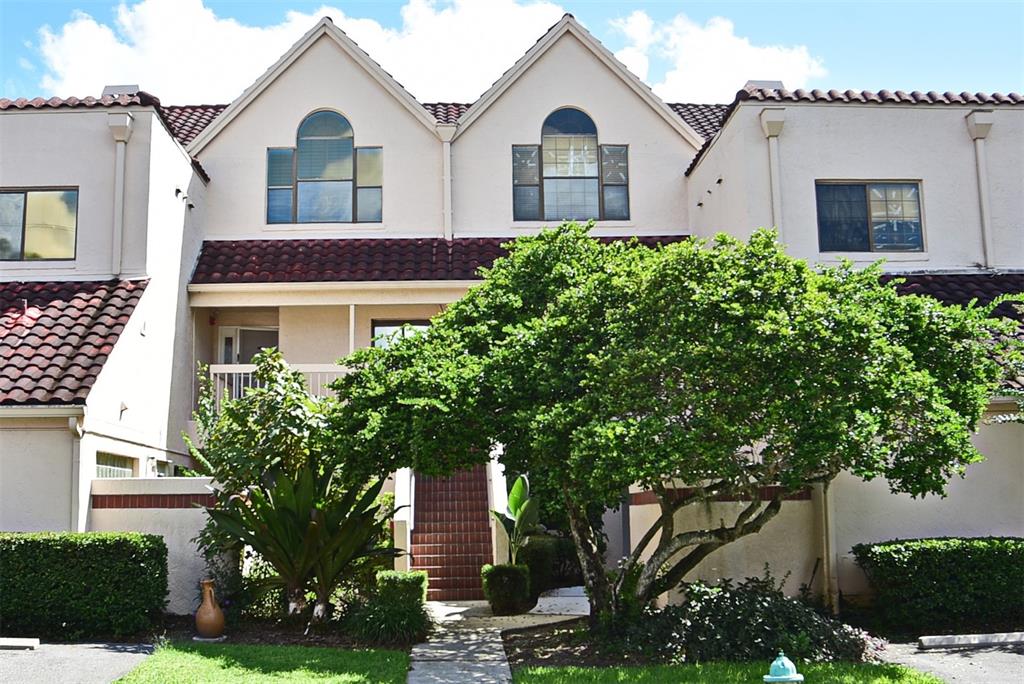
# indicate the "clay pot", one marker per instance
pixel 209 617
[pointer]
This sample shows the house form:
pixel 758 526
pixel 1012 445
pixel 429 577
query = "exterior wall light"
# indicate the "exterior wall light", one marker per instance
pixel 783 670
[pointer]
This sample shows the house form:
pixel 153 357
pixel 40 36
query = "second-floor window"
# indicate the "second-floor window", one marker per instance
pixel 869 217
pixel 325 178
pixel 37 225
pixel 570 176
pixel 384 333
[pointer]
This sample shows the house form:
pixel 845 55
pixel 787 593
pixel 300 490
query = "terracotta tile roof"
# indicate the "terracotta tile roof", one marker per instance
pixel 349 260
pixel 140 98
pixel 770 95
pixel 56 336
pixel 706 119
pixel 188 121
pixel 446 112
pixel 880 97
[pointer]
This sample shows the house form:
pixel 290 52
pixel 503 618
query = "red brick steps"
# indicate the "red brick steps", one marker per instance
pixel 451 536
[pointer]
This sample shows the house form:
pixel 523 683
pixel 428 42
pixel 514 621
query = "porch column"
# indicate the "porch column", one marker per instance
pixel 351 328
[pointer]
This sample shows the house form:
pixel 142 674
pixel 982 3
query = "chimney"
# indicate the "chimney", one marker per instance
pixel 765 85
pixel 116 90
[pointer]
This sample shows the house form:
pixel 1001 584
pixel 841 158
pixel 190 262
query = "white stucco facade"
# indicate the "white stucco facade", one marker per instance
pixel 453 181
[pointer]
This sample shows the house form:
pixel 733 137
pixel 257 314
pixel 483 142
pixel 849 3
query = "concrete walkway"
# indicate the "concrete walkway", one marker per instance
pixel 991 665
pixel 72 663
pixel 466 645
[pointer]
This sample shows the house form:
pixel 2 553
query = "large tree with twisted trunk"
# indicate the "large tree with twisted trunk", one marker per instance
pixel 710 368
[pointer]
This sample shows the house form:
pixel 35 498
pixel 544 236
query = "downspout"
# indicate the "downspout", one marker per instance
pixel 979 123
pixel 120 124
pixel 772 120
pixel 446 131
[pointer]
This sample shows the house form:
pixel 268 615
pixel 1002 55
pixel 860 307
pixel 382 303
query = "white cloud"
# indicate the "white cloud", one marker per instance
pixel 183 52
pixel 710 63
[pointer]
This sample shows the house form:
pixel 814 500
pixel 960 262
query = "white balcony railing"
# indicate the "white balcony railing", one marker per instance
pixel 234 379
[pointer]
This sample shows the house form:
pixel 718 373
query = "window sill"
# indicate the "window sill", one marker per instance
pixel 875 256
pixel 41 265
pixel 555 224
pixel 322 227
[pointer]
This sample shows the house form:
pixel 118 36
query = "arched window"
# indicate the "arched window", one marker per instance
pixel 324 178
pixel 569 176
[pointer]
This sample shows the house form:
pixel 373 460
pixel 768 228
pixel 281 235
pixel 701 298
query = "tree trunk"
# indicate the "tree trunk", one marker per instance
pixel 591 561
pixel 296 600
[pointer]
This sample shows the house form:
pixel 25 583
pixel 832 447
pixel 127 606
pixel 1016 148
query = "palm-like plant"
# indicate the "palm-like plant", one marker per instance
pixel 520 517
pixel 308 530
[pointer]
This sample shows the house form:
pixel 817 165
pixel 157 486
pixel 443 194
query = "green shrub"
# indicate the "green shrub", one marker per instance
pixel 749 621
pixel 395 613
pixel 69 585
pixel 507 588
pixel 553 563
pixel 946 584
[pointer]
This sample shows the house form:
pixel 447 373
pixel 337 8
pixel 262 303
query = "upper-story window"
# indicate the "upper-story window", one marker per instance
pixel 385 333
pixel 325 178
pixel 38 225
pixel 869 217
pixel 570 176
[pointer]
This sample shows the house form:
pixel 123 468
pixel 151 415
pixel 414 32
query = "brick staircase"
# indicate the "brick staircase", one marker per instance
pixel 451 538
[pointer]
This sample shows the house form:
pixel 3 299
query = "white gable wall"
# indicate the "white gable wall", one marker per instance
pixel 323 77
pixel 568 74
pixel 925 143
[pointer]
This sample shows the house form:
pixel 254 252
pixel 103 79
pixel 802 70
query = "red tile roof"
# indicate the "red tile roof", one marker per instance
pixel 56 336
pixel 706 119
pixel 140 98
pixel 446 112
pixel 188 121
pixel 347 260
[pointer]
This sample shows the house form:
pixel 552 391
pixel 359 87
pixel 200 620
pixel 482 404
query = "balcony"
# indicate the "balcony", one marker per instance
pixel 233 379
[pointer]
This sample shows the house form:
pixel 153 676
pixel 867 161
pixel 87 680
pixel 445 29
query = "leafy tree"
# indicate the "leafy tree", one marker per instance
pixel 285 488
pixel 694 370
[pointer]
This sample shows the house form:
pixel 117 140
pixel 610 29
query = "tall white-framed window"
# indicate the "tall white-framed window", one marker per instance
pixel 325 178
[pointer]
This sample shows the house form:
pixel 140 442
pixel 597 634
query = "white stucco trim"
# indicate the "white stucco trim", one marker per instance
pixel 321 293
pixel 568 24
pixel 324 27
pixel 41 411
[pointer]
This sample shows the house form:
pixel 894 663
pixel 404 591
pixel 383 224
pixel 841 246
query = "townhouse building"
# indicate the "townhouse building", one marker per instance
pixel 326 207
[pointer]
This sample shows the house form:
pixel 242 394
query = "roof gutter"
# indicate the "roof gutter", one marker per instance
pixel 42 411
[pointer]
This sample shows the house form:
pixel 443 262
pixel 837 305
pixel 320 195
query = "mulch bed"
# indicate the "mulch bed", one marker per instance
pixel 557 645
pixel 263 632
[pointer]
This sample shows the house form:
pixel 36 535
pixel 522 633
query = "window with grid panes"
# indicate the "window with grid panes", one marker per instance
pixel 570 176
pixel 869 217
pixel 325 178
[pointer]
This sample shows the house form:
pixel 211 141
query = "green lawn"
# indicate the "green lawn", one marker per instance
pixel 720 673
pixel 189 662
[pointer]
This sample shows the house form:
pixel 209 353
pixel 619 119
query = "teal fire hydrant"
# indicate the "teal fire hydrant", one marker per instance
pixel 783 670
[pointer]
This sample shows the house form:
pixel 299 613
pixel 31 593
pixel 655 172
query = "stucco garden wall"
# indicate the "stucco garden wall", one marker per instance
pixel 164 506
pixel 36 475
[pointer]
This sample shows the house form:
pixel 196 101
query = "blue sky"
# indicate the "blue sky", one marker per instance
pixel 678 47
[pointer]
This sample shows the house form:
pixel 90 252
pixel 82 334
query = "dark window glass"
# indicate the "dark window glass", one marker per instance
pixel 570 199
pixel 616 203
pixel 370 166
pixel 525 165
pixel 614 164
pixel 279 205
pixel 842 218
pixel 38 224
pixel 895 217
pixel 862 217
pixel 369 204
pixel 568 121
pixel 12 212
pixel 324 201
pixel 279 168
pixel 526 203
pixel 325 159
pixel 325 125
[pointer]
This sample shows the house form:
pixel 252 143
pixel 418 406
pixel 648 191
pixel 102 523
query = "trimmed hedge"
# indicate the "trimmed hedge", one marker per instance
pixel 946 584
pixel 395 613
pixel 69 585
pixel 507 588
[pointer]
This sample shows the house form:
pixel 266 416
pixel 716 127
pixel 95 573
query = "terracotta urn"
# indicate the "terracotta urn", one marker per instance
pixel 209 617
